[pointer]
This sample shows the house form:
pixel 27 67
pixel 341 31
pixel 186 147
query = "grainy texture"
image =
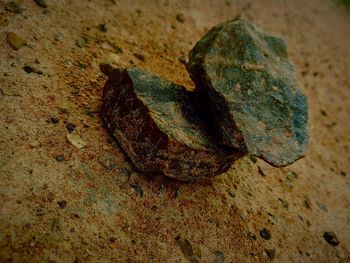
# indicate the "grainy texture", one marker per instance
pixel 156 125
pixel 245 76
pixel 104 218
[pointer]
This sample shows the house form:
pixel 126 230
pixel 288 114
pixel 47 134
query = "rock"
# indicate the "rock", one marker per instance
pixel 219 257
pixel 80 42
pixel 59 158
pixel 180 18
pixel 139 56
pixel 107 161
pixel 54 120
pixel 14 7
pixel 15 41
pixel 103 27
pixel 331 238
pixel 41 3
pixel 70 127
pixel 189 249
pixel 270 253
pixel 62 204
pixel 76 140
pixel 256 103
pixel 284 203
pixel 322 206
pixel 307 202
pixel 265 233
pixel 30 69
pixel 157 127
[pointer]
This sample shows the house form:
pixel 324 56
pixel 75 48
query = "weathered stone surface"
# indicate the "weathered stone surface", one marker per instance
pixel 157 127
pixel 15 41
pixel 256 102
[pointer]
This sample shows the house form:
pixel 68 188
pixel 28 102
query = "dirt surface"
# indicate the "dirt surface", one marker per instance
pixel 86 203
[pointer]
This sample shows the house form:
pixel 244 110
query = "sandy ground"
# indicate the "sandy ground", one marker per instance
pixel 90 205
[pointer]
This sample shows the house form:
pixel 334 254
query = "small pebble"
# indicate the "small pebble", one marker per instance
pixel 41 3
pixel 307 202
pixel 331 238
pixel 265 233
pixel 139 56
pixel 15 41
pixel 107 161
pixel 70 127
pixel 253 158
pixel 126 172
pixel 29 69
pixel 62 204
pixel 191 250
pixel 284 203
pixel 219 257
pixel 180 18
pixel 14 7
pixel 322 206
pixel 182 60
pixel 54 120
pixel 137 188
pixel 261 172
pixel 231 193
pixel 76 140
pixel 80 42
pixel 59 158
pixel 102 27
pixel 270 253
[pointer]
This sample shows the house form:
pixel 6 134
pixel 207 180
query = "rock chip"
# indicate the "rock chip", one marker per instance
pixel 14 7
pixel 331 238
pixel 265 233
pixel 15 41
pixel 189 249
pixel 158 128
pixel 80 42
pixel 107 161
pixel 41 3
pixel 180 18
pixel 76 140
pixel 219 257
pixel 257 105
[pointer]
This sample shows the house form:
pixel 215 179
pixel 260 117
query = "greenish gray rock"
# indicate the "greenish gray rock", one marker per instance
pixel 159 129
pixel 255 101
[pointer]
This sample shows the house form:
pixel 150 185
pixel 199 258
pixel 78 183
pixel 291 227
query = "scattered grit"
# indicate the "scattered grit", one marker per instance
pixel 247 100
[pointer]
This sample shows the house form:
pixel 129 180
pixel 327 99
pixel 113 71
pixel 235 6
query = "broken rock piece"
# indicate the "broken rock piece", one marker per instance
pixel 157 128
pixel 256 103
